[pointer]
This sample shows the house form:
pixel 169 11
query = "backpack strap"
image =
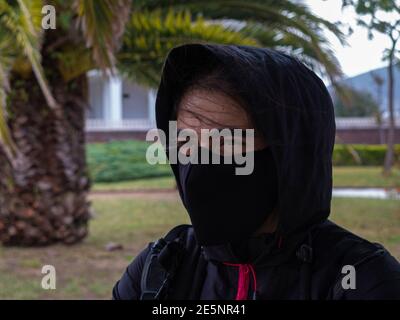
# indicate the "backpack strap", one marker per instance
pixel 161 263
pixel 192 271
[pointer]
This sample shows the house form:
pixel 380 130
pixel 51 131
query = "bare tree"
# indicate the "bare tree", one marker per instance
pixel 373 15
pixel 379 81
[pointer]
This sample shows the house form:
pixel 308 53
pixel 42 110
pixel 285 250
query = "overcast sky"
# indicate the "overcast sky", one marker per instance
pixel 361 54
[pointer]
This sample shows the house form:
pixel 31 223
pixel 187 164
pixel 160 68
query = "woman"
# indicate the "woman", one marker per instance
pixel 265 235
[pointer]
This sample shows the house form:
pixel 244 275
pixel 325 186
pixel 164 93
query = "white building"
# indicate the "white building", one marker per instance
pixel 118 105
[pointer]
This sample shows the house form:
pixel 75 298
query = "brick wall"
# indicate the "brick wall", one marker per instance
pixel 364 136
pixel 107 136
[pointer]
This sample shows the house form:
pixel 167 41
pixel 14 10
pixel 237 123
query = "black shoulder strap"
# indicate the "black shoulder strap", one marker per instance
pixel 161 263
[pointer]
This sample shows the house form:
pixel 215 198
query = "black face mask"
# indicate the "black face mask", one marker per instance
pixel 225 207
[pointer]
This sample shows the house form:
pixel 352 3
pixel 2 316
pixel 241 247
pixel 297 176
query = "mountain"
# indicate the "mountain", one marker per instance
pixel 365 82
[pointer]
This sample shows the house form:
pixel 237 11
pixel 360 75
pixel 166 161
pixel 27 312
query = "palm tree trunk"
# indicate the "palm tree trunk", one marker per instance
pixel 43 190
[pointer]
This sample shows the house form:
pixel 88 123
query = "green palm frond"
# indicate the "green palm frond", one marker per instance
pixel 286 19
pixel 102 24
pixel 74 61
pixel 7 58
pixel 5 137
pixel 23 23
pixel 150 35
pixel 278 11
pixel 315 52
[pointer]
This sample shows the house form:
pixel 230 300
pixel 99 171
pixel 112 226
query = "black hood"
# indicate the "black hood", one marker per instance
pixel 290 106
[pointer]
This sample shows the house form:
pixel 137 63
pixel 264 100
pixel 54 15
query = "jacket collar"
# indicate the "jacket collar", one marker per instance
pixel 262 250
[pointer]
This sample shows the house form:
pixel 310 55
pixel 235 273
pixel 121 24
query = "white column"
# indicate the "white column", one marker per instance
pixel 152 107
pixel 116 98
pixel 112 96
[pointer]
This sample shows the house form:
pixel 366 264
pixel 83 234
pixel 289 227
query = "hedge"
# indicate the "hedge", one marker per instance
pixel 121 161
pixel 126 160
pixel 368 155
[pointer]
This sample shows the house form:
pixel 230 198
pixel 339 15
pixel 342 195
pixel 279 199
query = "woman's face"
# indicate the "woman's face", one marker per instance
pixel 202 109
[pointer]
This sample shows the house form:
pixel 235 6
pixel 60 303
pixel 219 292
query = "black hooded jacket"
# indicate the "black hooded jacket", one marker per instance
pixel 308 257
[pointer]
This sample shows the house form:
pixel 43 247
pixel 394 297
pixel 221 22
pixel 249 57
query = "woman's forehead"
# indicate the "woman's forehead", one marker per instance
pixel 211 109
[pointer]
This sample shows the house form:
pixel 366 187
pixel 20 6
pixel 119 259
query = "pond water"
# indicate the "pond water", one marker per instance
pixel 372 193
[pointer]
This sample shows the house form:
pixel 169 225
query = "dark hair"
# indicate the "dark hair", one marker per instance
pixel 214 80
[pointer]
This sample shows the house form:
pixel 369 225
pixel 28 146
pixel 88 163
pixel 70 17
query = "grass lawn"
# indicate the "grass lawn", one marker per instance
pixel 87 270
pixel 342 177
pixel 364 177
pixel 139 184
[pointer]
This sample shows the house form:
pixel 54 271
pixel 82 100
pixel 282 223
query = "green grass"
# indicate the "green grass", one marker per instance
pixel 374 219
pixel 88 271
pixel 364 177
pixel 139 184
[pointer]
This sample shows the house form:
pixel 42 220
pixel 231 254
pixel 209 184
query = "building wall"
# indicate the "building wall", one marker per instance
pixel 364 136
pixel 96 90
pixel 99 136
pixel 134 101
pixel 114 99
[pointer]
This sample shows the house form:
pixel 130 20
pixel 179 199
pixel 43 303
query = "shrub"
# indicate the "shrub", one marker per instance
pixel 122 160
pixel 370 155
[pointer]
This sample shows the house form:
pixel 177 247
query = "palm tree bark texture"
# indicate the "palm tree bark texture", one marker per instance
pixel 43 190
